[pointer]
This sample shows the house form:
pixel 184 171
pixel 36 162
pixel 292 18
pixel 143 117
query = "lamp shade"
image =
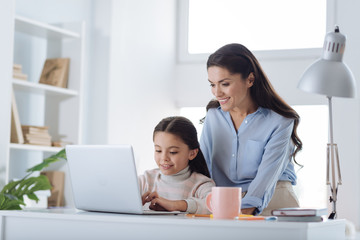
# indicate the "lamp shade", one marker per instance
pixel 329 75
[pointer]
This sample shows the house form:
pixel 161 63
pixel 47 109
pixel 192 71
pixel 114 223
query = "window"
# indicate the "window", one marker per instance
pixel 194 114
pixel 261 25
pixel 311 187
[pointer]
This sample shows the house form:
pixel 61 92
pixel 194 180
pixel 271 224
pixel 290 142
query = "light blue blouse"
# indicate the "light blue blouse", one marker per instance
pixel 254 158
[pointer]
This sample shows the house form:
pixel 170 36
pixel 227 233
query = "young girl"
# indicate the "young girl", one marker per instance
pixel 182 181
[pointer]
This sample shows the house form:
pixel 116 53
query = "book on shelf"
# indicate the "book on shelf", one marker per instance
pixel 21 76
pixel 36 135
pixel 38 139
pixel 37 142
pixel 55 72
pixel 17 72
pixel 299 212
pixel 16 135
pixel 34 129
pixel 17 67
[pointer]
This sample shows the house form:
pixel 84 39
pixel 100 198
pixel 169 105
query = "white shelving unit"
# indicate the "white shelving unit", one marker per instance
pixel 38 88
pixel 60 109
pixel 43 30
pixel 35 148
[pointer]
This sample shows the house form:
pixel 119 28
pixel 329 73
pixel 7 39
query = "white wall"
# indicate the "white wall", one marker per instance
pixel 142 61
pixel 97 87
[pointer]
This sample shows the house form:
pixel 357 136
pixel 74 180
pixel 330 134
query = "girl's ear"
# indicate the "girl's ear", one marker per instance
pixel 193 153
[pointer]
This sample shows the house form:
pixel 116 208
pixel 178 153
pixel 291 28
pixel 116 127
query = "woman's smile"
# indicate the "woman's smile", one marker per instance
pixel 223 100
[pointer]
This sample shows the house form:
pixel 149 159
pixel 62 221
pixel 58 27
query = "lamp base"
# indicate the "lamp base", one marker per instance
pixel 332 215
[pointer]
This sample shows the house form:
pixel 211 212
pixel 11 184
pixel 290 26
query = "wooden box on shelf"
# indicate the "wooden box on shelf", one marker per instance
pixel 56 179
pixel 55 72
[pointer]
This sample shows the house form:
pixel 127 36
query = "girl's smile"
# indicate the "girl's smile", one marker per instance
pixel 165 166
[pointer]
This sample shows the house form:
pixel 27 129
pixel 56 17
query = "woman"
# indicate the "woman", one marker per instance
pixel 249 136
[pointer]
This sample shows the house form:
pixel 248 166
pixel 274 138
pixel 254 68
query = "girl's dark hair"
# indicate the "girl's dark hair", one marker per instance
pixel 184 129
pixel 236 58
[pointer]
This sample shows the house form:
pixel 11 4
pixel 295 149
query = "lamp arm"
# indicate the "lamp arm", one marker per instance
pixel 332 154
pixel 338 164
pixel 332 159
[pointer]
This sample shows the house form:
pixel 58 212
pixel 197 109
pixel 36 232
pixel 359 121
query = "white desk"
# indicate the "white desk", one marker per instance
pixel 73 224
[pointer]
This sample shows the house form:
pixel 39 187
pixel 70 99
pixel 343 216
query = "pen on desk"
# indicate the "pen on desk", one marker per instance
pixel 240 217
pixel 210 215
pixel 271 218
pixel 250 218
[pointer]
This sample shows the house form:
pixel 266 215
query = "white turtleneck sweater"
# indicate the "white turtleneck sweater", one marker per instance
pixel 191 187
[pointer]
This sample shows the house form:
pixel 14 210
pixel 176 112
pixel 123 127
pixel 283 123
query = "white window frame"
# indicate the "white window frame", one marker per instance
pixel 183 56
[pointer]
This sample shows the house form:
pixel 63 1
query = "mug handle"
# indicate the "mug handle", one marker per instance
pixel 208 202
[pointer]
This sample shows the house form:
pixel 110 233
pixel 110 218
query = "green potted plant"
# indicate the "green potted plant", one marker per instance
pixel 12 195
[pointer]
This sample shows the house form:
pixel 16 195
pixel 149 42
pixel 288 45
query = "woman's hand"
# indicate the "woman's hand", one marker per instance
pixel 162 204
pixel 248 211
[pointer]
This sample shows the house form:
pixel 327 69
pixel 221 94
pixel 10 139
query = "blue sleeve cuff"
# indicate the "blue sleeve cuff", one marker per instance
pixel 250 202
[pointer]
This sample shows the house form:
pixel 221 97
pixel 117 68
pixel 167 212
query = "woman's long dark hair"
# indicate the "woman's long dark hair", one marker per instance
pixel 236 58
pixel 184 129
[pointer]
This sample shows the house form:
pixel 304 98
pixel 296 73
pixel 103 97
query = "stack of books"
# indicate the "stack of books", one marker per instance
pixel 36 135
pixel 17 72
pixel 300 214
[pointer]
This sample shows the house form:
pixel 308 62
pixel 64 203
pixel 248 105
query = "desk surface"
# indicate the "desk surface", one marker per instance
pixel 74 224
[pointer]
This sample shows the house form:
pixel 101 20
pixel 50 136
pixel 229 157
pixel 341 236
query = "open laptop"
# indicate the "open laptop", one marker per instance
pixel 104 179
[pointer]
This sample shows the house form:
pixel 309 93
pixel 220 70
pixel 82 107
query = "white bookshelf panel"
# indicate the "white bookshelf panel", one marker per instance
pixel 38 88
pixel 35 147
pixel 43 30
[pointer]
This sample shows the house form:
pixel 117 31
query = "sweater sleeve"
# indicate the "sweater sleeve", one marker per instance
pixel 142 184
pixel 146 181
pixel 197 202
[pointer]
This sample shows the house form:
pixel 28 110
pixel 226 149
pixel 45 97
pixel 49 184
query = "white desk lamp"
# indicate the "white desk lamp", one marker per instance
pixel 330 76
